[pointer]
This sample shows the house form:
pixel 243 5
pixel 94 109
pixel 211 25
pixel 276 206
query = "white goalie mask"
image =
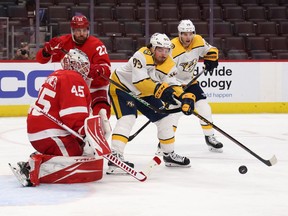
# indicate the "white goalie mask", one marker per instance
pixel 160 40
pixel 186 26
pixel 76 60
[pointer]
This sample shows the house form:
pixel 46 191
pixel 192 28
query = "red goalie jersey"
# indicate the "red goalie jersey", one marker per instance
pixel 64 95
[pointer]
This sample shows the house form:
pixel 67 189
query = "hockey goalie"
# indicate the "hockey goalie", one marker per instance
pixel 62 157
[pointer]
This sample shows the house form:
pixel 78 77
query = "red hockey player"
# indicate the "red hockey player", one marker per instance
pixel 54 51
pixel 61 157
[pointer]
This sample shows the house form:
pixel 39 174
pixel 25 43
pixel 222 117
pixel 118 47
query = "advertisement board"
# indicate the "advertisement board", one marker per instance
pixel 232 87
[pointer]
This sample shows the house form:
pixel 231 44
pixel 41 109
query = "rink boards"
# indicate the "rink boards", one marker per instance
pixel 234 87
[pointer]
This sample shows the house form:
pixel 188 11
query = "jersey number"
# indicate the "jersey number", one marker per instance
pixel 78 91
pixel 101 50
pixel 137 63
pixel 46 103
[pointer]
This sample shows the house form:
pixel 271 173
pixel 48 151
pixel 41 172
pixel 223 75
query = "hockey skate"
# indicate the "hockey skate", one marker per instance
pixel 213 144
pixel 174 160
pixel 115 170
pixel 21 171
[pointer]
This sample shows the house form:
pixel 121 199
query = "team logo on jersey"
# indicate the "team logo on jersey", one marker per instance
pixel 130 104
pixel 188 66
pixel 147 52
pixel 52 81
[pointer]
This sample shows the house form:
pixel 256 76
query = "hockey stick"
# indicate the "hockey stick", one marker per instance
pixel 138 131
pixel 269 162
pixel 154 162
pixel 161 111
pixel 140 176
pixel 148 122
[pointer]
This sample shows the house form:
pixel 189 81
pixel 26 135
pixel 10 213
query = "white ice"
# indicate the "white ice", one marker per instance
pixel 211 187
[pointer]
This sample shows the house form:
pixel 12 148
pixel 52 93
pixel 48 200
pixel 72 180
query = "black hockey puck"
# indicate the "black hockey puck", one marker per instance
pixel 242 169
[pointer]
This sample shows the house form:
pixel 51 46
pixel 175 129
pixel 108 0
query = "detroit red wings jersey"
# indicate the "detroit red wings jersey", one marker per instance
pixel 64 95
pixel 93 48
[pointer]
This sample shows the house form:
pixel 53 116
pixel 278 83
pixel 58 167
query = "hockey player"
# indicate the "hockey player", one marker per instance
pixel 149 74
pixel 60 157
pixel 187 48
pixel 94 49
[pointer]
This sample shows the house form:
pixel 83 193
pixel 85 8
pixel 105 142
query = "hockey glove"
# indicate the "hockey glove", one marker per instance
pixel 165 93
pixel 54 46
pixel 188 100
pixel 210 65
pixel 211 59
pixel 97 70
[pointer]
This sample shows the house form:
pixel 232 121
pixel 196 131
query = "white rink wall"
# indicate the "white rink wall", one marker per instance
pixel 233 87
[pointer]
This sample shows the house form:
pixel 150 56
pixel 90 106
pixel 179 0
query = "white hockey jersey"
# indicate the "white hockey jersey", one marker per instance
pixel 186 59
pixel 140 75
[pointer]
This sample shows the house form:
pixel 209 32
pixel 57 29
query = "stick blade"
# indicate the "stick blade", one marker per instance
pixel 156 161
pixel 273 160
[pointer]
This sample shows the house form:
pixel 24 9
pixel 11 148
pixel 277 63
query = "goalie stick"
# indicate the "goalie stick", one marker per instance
pixel 139 175
pixel 148 122
pixel 272 161
pixel 129 170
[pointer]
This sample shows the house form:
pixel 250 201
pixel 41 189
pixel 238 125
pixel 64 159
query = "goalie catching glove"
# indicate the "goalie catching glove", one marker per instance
pixel 187 103
pixel 165 93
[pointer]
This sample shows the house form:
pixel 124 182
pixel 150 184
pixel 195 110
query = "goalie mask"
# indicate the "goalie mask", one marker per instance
pixel 76 60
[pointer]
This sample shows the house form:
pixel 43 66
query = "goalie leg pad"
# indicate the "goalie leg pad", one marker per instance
pixel 68 170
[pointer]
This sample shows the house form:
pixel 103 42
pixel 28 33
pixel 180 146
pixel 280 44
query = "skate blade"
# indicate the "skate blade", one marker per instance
pixel 177 165
pixel 112 170
pixel 216 150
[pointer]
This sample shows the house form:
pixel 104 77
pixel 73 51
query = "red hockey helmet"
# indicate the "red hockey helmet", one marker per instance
pixel 79 21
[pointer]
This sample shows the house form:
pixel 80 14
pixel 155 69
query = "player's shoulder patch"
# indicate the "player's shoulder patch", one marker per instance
pixel 145 51
pixel 147 55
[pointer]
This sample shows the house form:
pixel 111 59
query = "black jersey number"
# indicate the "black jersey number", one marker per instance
pixel 137 63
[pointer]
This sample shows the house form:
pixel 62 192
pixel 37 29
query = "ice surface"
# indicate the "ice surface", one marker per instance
pixel 211 187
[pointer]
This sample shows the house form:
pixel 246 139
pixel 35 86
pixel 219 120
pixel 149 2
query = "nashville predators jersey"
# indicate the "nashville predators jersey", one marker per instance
pixel 186 59
pixel 140 75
